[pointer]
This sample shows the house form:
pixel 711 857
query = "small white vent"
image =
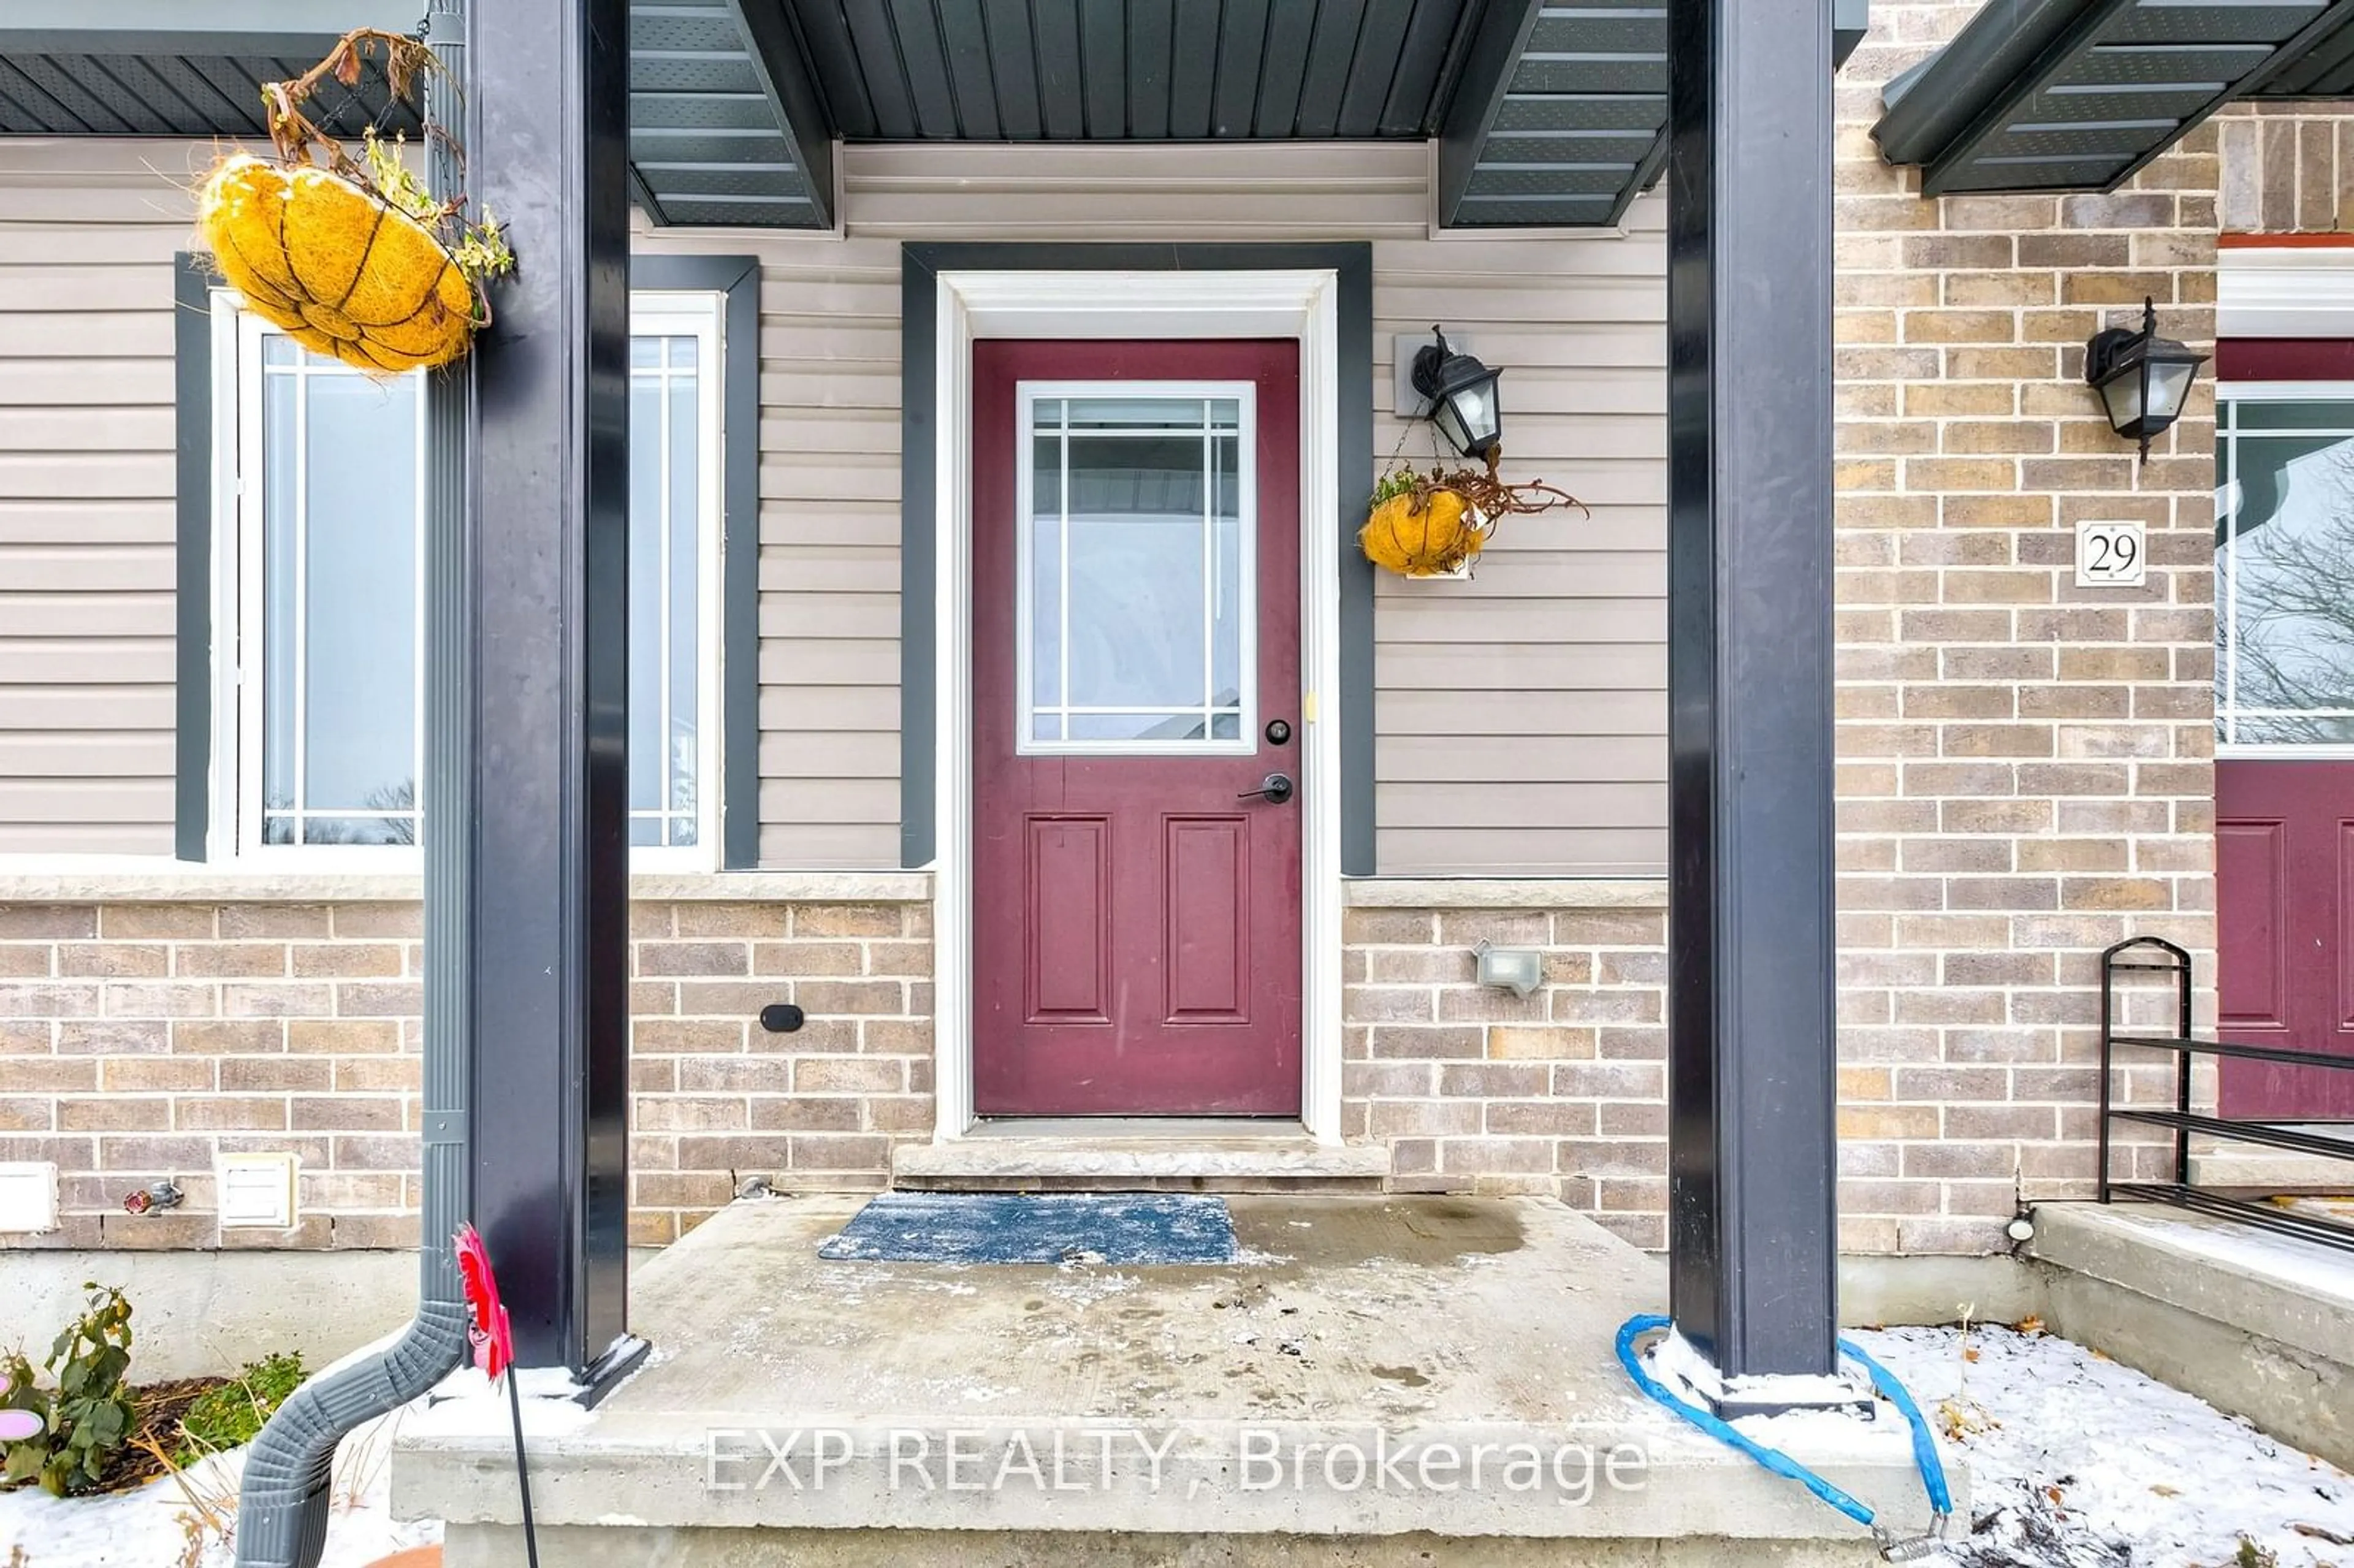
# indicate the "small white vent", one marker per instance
pixel 257 1192
pixel 29 1196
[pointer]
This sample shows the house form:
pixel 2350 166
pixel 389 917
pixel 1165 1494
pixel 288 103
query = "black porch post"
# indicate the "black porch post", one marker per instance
pixel 1750 1146
pixel 547 868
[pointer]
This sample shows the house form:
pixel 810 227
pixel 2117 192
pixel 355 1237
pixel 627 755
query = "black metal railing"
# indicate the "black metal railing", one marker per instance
pixel 2141 954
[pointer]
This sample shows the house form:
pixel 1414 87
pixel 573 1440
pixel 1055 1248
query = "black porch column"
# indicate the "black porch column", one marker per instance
pixel 547 870
pixel 1750 1147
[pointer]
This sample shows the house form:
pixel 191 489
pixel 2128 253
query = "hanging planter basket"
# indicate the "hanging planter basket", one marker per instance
pixel 1435 534
pixel 351 259
pixel 1435 524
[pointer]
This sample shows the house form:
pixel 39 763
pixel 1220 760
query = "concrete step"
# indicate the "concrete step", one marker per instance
pixel 2255 1324
pixel 482 1546
pixel 1109 1158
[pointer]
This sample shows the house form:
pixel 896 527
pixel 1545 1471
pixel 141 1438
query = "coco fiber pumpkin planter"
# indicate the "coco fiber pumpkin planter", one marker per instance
pixel 351 261
pixel 337 268
pixel 1436 525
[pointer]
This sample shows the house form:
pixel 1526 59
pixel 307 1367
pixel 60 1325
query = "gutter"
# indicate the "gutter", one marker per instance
pixel 282 1505
pixel 1934 104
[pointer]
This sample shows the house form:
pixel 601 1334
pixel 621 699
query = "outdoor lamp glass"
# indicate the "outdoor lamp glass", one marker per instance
pixel 2143 379
pixel 1463 399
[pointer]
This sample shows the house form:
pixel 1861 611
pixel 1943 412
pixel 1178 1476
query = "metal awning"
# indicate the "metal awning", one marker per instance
pixel 2059 95
pixel 1546 113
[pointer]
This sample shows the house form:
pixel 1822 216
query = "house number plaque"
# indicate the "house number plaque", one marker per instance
pixel 2111 554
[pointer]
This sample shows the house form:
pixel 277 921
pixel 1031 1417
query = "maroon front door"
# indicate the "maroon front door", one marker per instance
pixel 2284 907
pixel 2285 721
pixel 1136 729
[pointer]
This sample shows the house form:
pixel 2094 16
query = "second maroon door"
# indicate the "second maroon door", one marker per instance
pixel 2285 915
pixel 1135 688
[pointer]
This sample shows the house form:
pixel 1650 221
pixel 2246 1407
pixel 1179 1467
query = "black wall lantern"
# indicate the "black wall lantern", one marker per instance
pixel 1464 402
pixel 2143 379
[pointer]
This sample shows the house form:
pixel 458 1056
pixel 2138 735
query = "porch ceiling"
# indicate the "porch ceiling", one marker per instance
pixel 1545 113
pixel 148 68
pixel 1141 70
pixel 2051 95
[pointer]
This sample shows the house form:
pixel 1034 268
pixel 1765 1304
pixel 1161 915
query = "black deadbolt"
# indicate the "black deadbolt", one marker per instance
pixel 1277 732
pixel 781 1018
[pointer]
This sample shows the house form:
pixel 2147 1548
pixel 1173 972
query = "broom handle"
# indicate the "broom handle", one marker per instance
pixel 523 1472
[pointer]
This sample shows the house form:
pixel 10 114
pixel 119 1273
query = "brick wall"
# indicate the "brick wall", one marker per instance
pixel 2287 168
pixel 1562 1092
pixel 137 1041
pixel 2025 766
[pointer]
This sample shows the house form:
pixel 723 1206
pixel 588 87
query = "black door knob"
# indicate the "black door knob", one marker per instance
pixel 1277 788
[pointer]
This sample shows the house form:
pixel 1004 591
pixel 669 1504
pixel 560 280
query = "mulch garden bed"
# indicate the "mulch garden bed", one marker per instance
pixel 160 1406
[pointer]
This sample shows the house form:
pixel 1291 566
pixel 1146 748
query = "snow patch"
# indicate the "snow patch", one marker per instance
pixel 2077 1462
pixel 150 1528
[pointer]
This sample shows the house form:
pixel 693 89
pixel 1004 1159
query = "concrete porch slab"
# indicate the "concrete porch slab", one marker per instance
pixel 1390 1371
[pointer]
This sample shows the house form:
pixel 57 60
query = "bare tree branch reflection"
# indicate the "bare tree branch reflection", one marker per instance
pixel 2289 587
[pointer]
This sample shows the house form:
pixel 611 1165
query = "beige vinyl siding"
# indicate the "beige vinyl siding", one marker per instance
pixel 1521 714
pixel 87 522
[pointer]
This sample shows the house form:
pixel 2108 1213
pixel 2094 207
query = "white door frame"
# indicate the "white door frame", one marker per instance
pixel 1302 305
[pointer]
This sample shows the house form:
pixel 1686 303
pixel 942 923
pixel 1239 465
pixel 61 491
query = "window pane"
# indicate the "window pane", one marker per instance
pixel 2296 729
pixel 2263 413
pixel 684 591
pixel 1135 617
pixel 1140 571
pixel 1046 573
pixel 647 487
pixel 357 709
pixel 1135 726
pixel 281 437
pixel 2284 580
pixel 359 830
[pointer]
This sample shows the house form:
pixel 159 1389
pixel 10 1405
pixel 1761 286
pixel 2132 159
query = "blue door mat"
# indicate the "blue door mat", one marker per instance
pixel 1136 1230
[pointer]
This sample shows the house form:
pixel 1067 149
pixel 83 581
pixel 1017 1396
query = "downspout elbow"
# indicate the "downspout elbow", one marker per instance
pixel 283 1502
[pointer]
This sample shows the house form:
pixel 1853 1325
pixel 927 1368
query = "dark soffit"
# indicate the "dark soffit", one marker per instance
pixel 2057 95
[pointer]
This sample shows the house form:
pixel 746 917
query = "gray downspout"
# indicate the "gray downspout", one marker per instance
pixel 282 1518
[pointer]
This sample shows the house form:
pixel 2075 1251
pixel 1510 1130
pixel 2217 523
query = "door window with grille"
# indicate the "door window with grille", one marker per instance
pixel 2284 567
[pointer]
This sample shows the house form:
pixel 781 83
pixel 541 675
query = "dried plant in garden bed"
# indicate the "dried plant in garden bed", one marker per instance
pixel 351 258
pixel 1435 523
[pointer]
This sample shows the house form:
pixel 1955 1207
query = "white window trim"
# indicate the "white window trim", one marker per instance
pixel 698 315
pixel 2230 392
pixel 233 834
pixel 1301 305
pixel 1027 395
pixel 237 654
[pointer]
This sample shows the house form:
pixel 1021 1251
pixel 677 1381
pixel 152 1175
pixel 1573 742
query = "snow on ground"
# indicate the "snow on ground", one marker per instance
pixel 2077 1462
pixel 151 1527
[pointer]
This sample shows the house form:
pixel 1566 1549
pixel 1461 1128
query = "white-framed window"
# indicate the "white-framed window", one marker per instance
pixel 320 596
pixel 2285 568
pixel 1136 565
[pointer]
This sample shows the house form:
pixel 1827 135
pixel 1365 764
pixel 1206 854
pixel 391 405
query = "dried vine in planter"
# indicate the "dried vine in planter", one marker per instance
pixel 354 258
pixel 1435 524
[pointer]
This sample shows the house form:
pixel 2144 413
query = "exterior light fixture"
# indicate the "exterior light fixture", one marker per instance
pixel 1517 970
pixel 2143 378
pixel 1463 399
